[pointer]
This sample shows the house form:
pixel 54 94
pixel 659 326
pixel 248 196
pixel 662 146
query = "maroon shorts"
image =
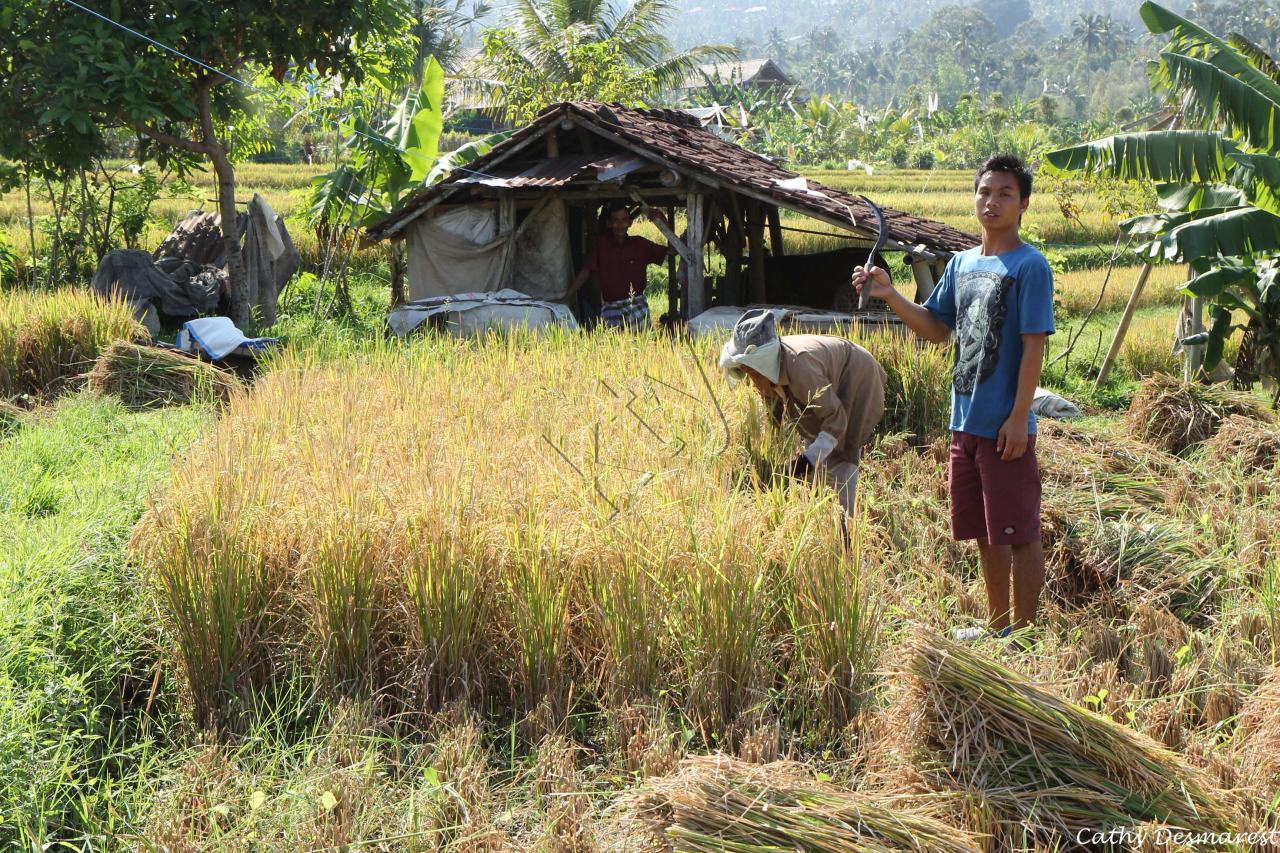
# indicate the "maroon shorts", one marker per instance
pixel 993 500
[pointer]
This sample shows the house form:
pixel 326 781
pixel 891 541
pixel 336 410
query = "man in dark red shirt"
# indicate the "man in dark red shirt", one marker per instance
pixel 619 260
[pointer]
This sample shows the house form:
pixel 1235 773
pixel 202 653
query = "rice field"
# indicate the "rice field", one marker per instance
pixel 563 568
pixel 945 195
pixel 523 593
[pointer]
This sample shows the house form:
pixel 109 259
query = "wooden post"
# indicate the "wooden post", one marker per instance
pixel 697 301
pixel 673 283
pixel 1117 340
pixel 755 251
pixel 924 279
pixel 731 247
pixel 775 230
pixel 553 144
pixel 1195 352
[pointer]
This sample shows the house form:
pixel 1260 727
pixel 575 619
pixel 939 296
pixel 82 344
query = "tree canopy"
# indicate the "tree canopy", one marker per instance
pixel 79 74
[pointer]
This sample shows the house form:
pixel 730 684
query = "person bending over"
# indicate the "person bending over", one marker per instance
pixel 831 388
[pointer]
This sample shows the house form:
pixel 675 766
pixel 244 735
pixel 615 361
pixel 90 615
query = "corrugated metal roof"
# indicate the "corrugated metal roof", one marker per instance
pixel 553 172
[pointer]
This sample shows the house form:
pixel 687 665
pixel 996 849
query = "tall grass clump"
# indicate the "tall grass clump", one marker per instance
pixel 917 398
pixel 48 338
pixel 222 593
pixel 532 527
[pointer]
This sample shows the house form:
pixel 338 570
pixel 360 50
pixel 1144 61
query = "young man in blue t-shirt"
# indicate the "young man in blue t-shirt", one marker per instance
pixel 998 299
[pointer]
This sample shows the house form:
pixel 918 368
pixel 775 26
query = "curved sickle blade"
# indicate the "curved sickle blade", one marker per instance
pixel 863 298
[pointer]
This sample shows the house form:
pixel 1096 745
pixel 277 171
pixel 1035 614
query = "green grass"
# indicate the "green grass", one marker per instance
pixel 78 651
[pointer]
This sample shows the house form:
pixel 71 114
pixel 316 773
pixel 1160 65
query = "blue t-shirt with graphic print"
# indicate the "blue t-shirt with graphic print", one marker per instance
pixel 991 301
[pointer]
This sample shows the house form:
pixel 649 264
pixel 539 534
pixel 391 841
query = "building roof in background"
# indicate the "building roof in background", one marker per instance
pixel 677 141
pixel 743 72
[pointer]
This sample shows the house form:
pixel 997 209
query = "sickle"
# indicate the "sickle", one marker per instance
pixel 863 298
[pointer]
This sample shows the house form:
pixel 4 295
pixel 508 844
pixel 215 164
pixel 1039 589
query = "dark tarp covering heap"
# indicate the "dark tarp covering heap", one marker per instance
pixel 187 280
pixel 132 275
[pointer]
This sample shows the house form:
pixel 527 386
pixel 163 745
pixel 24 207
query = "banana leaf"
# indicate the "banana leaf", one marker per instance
pixel 1191 197
pixel 462 155
pixel 1210 233
pixel 1218 333
pixel 1259 176
pixel 1180 156
pixel 1247 103
pixel 1208 285
pixel 1193 41
pixel 1257 57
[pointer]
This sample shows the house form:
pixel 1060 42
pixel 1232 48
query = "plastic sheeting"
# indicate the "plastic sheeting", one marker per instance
pixel 477 313
pixel 458 253
pixel 133 276
pixel 270 259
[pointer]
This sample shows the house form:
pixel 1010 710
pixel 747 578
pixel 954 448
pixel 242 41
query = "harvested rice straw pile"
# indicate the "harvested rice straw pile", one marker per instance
pixel 1070 455
pixel 144 376
pixel 714 804
pixel 1253 444
pixel 1259 736
pixel 1044 765
pixel 1174 415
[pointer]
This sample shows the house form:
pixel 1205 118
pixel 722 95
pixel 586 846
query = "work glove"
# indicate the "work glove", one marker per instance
pixel 820 448
pixel 801 468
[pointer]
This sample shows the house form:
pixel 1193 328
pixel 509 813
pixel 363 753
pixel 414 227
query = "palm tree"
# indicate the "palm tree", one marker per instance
pixel 545 31
pixel 1089 31
pixel 1218 181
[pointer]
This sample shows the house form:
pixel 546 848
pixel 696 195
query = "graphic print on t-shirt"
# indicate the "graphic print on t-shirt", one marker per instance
pixel 981 308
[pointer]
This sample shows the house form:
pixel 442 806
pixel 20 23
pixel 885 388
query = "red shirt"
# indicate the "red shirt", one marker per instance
pixel 621 266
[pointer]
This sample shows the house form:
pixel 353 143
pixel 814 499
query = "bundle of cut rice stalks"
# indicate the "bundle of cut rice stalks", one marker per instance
pixel 1174 415
pixel 1259 737
pixel 1106 545
pixel 714 804
pixel 1043 767
pixel 1250 443
pixel 144 377
pixel 1073 458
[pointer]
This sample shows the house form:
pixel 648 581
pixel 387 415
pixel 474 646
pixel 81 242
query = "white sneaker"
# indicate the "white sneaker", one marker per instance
pixel 976 633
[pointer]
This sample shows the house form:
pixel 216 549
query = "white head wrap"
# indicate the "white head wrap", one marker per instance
pixel 754 344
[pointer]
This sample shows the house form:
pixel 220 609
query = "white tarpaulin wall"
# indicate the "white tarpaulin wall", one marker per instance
pixel 458 252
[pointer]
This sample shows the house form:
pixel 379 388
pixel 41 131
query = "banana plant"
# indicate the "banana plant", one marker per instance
pixel 1218 184
pixel 392 160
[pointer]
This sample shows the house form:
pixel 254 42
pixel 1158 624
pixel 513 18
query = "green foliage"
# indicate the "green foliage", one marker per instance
pixel 596 71
pixel 1219 194
pixel 387 162
pixel 77 659
pixel 80 75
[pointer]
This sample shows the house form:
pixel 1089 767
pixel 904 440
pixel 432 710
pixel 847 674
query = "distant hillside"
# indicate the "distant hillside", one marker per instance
pixel 866 21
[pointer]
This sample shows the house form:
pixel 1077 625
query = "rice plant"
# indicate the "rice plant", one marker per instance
pixel 47 339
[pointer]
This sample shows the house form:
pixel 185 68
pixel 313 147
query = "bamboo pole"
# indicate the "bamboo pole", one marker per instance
pixel 1117 340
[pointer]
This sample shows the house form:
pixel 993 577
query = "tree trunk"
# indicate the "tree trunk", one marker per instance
pixel 237 294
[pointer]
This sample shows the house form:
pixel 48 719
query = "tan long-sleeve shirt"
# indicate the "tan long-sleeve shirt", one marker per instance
pixel 830 384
